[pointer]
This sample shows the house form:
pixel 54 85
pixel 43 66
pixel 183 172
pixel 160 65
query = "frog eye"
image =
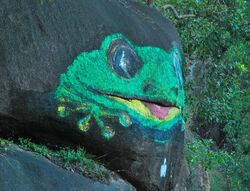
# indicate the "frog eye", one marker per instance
pixel 123 59
pixel 176 62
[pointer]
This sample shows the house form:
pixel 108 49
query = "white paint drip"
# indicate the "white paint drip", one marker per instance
pixel 163 168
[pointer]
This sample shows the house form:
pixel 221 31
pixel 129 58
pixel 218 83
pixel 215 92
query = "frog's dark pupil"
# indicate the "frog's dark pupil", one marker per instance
pixel 123 59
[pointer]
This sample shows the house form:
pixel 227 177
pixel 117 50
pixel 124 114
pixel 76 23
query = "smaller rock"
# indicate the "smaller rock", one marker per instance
pixel 199 179
pixel 25 171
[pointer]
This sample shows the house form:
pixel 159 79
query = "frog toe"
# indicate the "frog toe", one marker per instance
pixel 83 124
pixel 108 133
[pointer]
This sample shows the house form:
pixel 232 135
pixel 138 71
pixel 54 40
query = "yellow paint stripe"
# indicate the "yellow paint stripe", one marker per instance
pixel 140 108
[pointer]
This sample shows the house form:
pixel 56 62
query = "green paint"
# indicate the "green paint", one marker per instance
pixel 90 86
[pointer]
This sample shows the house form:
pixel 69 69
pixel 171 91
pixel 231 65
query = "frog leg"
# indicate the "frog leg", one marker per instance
pixel 107 131
pixel 83 124
pixel 124 119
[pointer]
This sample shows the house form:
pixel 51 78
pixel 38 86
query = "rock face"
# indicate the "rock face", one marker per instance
pixel 195 178
pixel 25 171
pixel 45 93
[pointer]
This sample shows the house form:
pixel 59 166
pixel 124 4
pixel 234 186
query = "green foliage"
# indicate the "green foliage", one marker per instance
pixel 237 172
pixel 71 159
pixel 233 166
pixel 4 144
pixel 27 144
pixel 199 152
pixel 72 156
pixel 81 159
pixel 217 43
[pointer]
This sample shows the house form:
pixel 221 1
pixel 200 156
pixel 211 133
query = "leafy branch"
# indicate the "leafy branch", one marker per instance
pixel 177 16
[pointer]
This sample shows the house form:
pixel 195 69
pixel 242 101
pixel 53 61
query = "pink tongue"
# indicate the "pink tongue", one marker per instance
pixel 159 111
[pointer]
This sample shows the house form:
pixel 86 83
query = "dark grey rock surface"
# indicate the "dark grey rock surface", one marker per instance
pixel 38 42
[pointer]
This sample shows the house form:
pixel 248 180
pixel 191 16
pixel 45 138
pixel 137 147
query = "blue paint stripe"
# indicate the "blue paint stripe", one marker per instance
pixel 159 135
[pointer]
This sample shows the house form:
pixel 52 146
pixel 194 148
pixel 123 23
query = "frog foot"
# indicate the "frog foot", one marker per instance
pixel 63 110
pixel 106 131
pixel 83 124
pixel 124 120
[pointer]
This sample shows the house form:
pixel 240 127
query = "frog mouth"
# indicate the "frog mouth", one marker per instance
pixel 151 110
pixel 157 110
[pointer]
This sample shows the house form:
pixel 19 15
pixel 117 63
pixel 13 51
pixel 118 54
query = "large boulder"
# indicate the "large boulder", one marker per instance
pixel 98 73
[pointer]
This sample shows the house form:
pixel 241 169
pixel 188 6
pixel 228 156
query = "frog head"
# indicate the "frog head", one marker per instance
pixel 135 84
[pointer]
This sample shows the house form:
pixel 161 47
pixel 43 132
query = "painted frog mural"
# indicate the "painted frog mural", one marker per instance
pixel 135 84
